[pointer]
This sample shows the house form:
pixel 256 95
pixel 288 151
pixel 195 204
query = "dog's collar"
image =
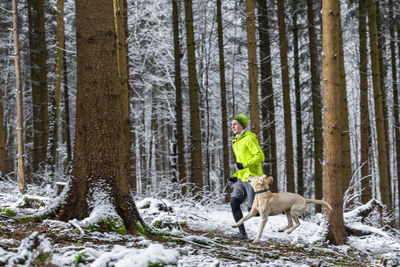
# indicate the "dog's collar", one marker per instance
pixel 262 191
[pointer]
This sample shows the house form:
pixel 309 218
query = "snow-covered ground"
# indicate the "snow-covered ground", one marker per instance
pixel 195 235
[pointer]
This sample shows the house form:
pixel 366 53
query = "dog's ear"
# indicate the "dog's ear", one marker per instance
pixel 270 180
pixel 261 179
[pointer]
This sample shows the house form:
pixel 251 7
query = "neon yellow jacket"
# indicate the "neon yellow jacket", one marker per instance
pixel 248 152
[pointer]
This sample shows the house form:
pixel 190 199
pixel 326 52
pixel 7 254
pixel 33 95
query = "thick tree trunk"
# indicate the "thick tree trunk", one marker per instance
pixel 20 116
pixel 121 24
pixel 252 65
pixel 267 94
pixel 364 124
pixel 297 89
pixel 289 164
pixel 195 130
pixel 38 57
pixel 225 146
pixel 316 101
pixel 379 111
pixel 101 169
pixel 332 119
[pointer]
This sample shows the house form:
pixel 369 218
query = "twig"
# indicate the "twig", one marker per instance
pixel 74 224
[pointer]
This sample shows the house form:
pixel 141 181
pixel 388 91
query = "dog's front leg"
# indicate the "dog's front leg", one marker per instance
pixel 252 213
pixel 260 230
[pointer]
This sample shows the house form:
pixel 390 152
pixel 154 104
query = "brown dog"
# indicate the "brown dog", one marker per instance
pixel 268 204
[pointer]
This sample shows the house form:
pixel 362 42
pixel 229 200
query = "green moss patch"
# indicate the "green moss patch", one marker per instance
pixel 8 212
pixel 109 225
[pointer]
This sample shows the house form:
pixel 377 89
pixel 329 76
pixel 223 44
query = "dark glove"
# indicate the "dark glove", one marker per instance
pixel 239 166
pixel 232 180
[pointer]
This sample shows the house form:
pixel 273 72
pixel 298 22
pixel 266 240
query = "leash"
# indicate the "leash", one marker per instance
pixel 262 191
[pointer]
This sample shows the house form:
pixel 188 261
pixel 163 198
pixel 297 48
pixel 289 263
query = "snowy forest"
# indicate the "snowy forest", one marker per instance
pixel 116 139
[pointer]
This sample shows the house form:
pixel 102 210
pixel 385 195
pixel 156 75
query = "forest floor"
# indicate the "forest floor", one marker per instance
pixel 191 235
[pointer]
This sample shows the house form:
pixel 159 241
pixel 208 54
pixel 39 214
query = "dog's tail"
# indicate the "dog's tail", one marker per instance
pixel 320 202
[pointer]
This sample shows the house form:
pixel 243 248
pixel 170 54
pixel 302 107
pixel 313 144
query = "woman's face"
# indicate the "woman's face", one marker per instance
pixel 237 128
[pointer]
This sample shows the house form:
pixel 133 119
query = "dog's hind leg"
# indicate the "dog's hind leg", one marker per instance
pixel 296 220
pixel 260 230
pixel 252 213
pixel 290 223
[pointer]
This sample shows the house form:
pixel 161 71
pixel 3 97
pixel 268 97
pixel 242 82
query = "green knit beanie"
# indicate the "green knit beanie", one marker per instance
pixel 242 119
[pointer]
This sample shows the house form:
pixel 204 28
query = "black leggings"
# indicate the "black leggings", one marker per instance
pixel 237 212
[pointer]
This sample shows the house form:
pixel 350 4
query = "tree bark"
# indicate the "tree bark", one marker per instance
pixel 120 22
pixel 289 165
pixel 38 57
pixel 67 131
pixel 102 130
pixel 332 119
pixel 20 116
pixel 316 102
pixel 195 130
pixel 178 98
pixel 364 124
pixel 379 111
pixel 395 89
pixel 346 157
pixel 56 94
pixel 225 146
pixel 382 70
pixel 3 149
pixel 252 65
pixel 267 94
pixel 297 89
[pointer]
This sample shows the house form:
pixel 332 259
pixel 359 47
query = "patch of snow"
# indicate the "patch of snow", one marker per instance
pixel 121 256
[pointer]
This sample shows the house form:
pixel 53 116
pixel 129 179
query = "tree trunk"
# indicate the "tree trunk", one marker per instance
pixel 289 165
pixel 332 119
pixel 67 131
pixel 20 116
pixel 297 89
pixel 397 128
pixel 195 130
pixel 316 102
pixel 346 157
pixel 395 90
pixel 364 124
pixel 178 98
pixel 225 146
pixel 382 70
pixel 379 111
pixel 120 22
pixel 102 131
pixel 252 65
pixel 3 149
pixel 56 95
pixel 38 57
pixel 267 94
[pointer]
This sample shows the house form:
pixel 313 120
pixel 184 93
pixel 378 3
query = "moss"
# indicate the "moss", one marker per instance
pixel 32 203
pixel 110 225
pixel 157 224
pixel 44 216
pixel 8 212
pixel 80 258
pixel 140 228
